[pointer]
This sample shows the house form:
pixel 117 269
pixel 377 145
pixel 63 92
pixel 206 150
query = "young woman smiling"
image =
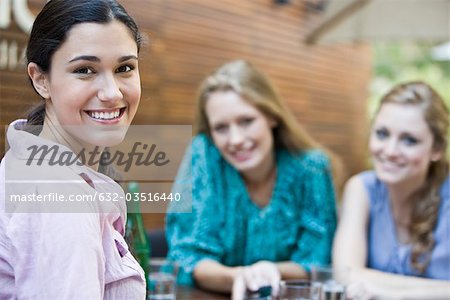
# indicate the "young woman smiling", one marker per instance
pixel 394 232
pixel 262 194
pixel 83 62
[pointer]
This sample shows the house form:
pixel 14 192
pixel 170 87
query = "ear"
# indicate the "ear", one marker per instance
pixel 436 155
pixel 272 122
pixel 39 79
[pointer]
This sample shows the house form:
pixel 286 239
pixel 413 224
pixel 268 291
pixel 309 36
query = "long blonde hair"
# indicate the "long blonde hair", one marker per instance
pixel 426 200
pixel 255 88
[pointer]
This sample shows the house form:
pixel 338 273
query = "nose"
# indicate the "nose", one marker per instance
pixel 236 136
pixel 109 90
pixel 391 147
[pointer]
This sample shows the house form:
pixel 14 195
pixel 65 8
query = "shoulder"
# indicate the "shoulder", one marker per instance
pixel 445 189
pixel 355 196
pixel 202 147
pixel 312 160
pixel 307 169
pixel 445 195
pixel 374 189
pixel 202 141
pixel 368 178
pixel 362 185
pixel 356 184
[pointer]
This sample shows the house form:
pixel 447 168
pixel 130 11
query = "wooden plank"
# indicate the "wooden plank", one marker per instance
pixel 324 86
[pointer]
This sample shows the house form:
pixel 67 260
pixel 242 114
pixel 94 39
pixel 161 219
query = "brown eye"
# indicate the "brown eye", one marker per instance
pixel 84 71
pixel 125 69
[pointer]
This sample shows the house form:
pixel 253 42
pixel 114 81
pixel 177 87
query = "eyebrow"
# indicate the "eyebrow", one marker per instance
pixel 85 57
pixel 128 57
pixel 96 59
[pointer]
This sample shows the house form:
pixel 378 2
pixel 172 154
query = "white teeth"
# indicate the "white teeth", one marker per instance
pixel 105 115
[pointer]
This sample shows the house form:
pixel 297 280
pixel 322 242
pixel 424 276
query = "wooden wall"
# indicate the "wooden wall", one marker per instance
pixel 325 86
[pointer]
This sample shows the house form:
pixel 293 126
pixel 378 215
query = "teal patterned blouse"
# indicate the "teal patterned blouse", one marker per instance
pixel 297 225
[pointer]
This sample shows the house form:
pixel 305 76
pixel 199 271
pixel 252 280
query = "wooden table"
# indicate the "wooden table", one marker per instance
pixel 190 293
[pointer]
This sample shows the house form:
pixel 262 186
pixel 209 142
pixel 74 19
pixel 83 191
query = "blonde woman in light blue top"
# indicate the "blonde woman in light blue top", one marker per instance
pixel 395 231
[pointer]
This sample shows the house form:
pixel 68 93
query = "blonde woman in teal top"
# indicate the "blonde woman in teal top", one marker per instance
pixel 263 204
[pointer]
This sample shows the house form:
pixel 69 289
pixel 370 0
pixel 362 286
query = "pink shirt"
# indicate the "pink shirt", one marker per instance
pixel 63 255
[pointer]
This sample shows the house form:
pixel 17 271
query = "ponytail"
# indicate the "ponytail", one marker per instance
pixel 35 119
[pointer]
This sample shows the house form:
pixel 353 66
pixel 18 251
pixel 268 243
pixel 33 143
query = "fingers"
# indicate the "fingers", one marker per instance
pixel 271 275
pixel 266 273
pixel 358 291
pixel 239 288
pixel 254 277
pixel 275 283
pixel 243 282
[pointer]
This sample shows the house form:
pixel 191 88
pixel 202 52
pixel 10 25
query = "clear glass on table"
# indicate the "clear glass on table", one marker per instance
pixel 333 281
pixel 162 279
pixel 299 290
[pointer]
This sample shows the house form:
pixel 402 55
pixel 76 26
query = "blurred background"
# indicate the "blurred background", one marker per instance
pixel 321 55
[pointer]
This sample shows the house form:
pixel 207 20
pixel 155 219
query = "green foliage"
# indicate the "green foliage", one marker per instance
pixel 399 62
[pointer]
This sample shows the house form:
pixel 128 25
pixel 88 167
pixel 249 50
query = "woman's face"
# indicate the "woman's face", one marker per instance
pixel 241 132
pixel 401 144
pixel 93 84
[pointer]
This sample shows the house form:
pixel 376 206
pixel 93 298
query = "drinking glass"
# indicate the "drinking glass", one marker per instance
pixel 299 290
pixel 162 279
pixel 332 281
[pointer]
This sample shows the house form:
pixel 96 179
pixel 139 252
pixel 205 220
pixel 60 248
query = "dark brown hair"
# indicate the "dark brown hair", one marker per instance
pixel 52 25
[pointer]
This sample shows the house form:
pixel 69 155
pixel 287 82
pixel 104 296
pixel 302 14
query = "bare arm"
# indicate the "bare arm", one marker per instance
pixel 291 270
pixel 350 242
pixel 350 250
pixel 389 286
pixel 212 275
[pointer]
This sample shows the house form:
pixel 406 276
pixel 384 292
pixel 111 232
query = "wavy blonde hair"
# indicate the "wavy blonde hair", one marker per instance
pixel 426 200
pixel 254 87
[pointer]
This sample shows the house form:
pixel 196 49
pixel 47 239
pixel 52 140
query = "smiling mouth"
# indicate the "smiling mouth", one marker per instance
pixel 106 115
pixel 242 155
pixel 390 165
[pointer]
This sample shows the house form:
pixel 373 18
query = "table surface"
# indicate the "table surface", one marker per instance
pixel 189 293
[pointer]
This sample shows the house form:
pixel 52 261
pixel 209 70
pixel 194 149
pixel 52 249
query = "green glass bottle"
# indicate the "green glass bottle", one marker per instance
pixel 135 233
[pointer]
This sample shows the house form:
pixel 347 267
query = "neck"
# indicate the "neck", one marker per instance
pixel 261 174
pixel 401 200
pixel 52 130
pixel 402 191
pixel 261 182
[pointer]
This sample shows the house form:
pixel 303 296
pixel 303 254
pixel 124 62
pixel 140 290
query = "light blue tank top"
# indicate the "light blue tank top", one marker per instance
pixel 385 252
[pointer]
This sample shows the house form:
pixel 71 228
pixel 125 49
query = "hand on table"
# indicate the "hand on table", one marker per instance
pixel 358 291
pixel 362 290
pixel 253 277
